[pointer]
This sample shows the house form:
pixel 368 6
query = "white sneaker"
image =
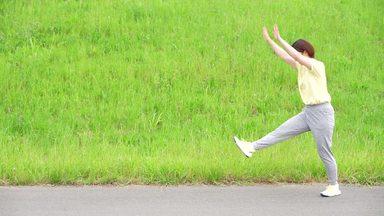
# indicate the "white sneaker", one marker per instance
pixel 244 146
pixel 331 190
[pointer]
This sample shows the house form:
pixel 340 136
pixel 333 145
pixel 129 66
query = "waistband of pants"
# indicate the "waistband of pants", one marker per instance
pixel 318 105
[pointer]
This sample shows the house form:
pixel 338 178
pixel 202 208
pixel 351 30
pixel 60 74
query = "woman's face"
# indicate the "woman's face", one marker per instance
pixel 305 53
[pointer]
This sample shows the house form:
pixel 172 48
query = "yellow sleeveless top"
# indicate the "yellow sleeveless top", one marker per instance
pixel 313 83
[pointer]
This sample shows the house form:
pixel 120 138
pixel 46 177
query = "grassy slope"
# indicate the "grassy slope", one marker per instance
pixel 152 91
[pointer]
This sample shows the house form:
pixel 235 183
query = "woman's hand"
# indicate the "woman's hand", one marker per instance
pixel 278 50
pixel 265 34
pixel 292 52
pixel 276 32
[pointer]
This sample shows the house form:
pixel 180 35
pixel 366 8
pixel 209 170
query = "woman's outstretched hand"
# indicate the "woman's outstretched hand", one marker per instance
pixel 276 32
pixel 276 48
pixel 265 34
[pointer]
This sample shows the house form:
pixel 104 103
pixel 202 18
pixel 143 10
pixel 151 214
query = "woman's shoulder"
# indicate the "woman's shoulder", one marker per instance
pixel 317 64
pixel 317 61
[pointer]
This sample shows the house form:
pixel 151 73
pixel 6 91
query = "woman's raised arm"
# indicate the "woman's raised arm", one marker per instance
pixel 297 56
pixel 278 50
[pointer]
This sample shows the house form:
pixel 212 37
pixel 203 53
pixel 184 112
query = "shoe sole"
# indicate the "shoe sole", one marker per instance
pixel 330 196
pixel 240 148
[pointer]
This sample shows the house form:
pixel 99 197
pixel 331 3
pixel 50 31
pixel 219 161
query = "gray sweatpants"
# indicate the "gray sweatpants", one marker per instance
pixel 320 120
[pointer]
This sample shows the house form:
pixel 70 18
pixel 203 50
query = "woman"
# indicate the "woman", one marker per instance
pixel 317 115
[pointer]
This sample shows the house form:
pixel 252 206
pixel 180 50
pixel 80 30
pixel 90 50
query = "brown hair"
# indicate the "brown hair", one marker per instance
pixel 303 45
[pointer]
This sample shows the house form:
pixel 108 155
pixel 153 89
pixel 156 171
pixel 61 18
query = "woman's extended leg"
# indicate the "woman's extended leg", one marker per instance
pixel 292 127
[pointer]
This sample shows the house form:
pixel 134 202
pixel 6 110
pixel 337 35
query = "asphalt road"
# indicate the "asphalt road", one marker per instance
pixel 190 200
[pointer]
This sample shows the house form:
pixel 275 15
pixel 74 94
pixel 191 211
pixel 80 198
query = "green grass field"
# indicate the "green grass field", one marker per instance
pixel 151 92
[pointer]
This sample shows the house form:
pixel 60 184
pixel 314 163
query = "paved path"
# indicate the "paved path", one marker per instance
pixel 190 200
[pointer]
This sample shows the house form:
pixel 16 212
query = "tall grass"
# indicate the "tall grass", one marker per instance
pixel 152 91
